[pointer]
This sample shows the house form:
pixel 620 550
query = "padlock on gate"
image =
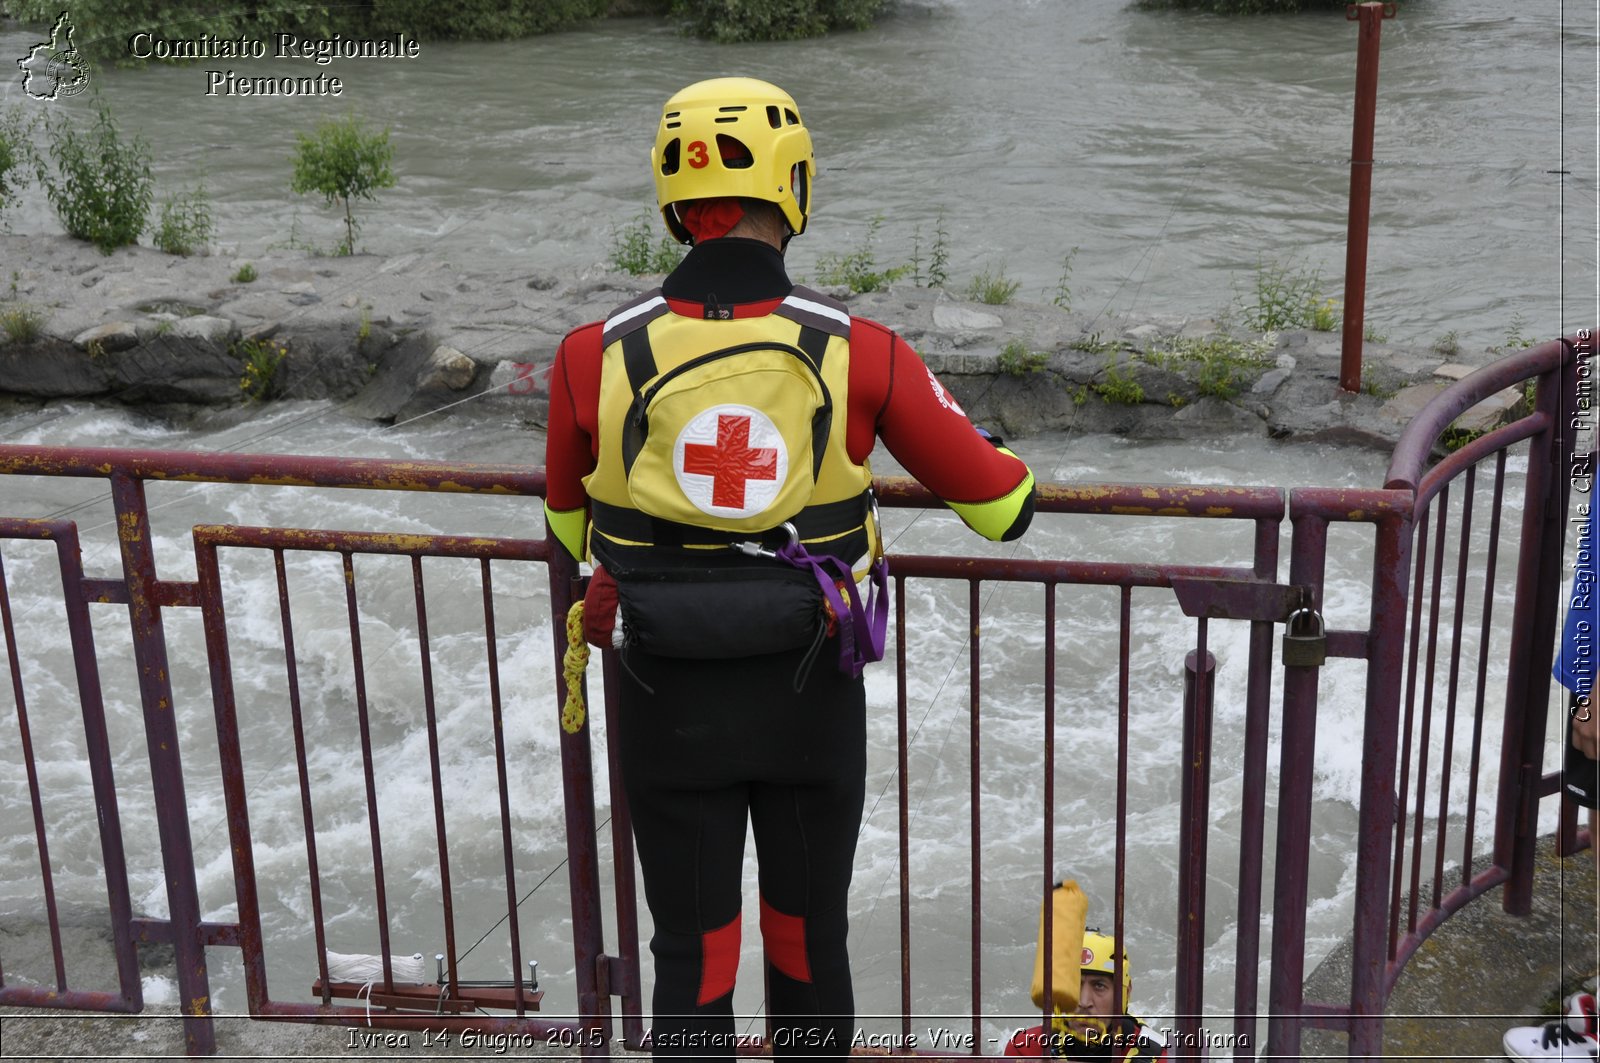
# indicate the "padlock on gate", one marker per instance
pixel 1305 643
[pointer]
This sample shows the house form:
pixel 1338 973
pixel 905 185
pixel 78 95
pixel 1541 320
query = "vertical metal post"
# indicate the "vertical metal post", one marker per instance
pixel 166 767
pixel 1199 681
pixel 1370 16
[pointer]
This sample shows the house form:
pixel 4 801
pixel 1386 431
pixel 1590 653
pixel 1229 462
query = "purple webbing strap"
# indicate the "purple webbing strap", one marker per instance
pixel 861 637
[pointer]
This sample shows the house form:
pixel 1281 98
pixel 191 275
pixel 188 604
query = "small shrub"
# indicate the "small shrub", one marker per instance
pixel 185 226
pixel 1017 359
pixel 1093 344
pixel 1448 345
pixel 245 275
pixel 1325 316
pixel 1218 365
pixel 21 324
pixel 633 253
pixel 101 188
pixel 858 270
pixel 1372 335
pixel 1453 438
pixel 1119 386
pixel 15 152
pixel 939 258
pixel 993 288
pixel 260 361
pixel 1515 340
pixel 1284 298
pixel 1063 295
pixel 342 159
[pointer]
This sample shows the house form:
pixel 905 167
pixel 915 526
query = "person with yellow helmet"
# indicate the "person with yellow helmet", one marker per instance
pixel 1098 1026
pixel 707 449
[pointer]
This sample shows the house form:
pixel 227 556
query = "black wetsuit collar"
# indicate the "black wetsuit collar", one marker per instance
pixel 729 270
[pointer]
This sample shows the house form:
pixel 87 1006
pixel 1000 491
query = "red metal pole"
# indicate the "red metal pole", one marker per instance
pixel 1371 16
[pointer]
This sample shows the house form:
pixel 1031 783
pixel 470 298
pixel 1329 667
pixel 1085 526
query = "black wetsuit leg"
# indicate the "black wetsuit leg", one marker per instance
pixel 720 744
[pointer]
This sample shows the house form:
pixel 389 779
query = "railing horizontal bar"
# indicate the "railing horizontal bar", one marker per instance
pixel 80 999
pixel 1348 505
pixel 275 470
pixel 159 932
pixel 1142 500
pixel 398 543
pixel 1030 570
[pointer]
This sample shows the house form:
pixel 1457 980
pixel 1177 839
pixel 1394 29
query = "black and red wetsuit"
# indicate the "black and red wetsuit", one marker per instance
pixel 707 746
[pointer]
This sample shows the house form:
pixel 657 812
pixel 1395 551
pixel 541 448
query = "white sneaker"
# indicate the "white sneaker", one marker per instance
pixel 1572 1037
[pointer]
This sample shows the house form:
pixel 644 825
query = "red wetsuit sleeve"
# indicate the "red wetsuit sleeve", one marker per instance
pixel 895 397
pixel 571 438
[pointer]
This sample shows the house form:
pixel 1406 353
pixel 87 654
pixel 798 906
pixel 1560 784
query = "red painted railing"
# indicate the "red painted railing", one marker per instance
pixel 1403 890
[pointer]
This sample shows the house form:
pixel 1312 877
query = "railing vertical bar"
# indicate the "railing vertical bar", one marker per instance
pixel 1297 763
pixel 97 745
pixel 902 725
pixel 623 875
pixel 1540 564
pixel 1047 941
pixel 1380 806
pixel 225 709
pixel 431 713
pixel 135 539
pixel 1194 824
pixel 1490 563
pixel 1407 729
pixel 1419 815
pixel 367 767
pixel 497 720
pixel 1447 755
pixel 14 659
pixel 297 717
pixel 974 697
pixel 1124 708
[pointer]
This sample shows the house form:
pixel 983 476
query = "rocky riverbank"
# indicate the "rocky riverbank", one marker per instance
pixel 392 339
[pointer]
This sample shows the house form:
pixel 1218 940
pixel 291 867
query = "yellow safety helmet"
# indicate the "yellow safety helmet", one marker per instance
pixel 1099 954
pixel 697 151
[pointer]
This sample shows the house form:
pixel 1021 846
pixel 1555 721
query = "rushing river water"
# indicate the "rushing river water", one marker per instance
pixel 1173 152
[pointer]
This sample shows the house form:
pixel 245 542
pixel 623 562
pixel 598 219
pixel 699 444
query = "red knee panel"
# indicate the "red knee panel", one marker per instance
pixel 719 962
pixel 784 938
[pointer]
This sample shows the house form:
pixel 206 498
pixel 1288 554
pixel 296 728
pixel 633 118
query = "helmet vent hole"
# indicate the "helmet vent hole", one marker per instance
pixel 669 158
pixel 732 107
pixel 735 156
pixel 773 118
pixel 790 118
pixel 727 118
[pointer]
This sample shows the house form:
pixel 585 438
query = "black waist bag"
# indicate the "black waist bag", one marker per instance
pixel 720 613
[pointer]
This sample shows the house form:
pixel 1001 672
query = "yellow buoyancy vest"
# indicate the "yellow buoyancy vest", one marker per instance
pixel 720 431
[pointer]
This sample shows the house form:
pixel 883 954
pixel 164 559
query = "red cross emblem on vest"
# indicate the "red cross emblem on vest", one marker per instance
pixel 731 461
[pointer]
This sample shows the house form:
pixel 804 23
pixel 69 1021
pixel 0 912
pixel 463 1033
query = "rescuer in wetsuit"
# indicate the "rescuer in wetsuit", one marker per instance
pixel 724 722
pixel 1100 1028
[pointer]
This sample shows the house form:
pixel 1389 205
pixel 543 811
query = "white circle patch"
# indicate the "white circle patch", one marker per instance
pixel 730 461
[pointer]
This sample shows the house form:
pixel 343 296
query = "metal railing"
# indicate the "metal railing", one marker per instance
pixel 1407 825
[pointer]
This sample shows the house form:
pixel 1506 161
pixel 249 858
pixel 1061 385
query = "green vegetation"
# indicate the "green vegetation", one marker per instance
pixel 939 264
pixel 1242 7
pixel 1325 316
pixel 1018 359
pixel 1118 385
pixel 101 187
pixel 260 361
pixel 1448 345
pixel 341 159
pixel 1373 386
pixel 1285 298
pixel 1453 438
pixel 1515 340
pixel 1218 365
pixel 995 288
pixel 185 226
pixel 858 270
pixel 246 274
pixel 103 27
pixel 21 324
pixel 1063 295
pixel 15 153
pixel 1372 335
pixel 772 20
pixel 1093 344
pixel 633 253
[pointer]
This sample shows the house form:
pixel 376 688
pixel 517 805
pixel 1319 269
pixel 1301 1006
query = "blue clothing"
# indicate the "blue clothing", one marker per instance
pixel 1576 651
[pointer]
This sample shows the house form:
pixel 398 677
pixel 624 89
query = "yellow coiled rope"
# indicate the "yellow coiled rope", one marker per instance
pixel 573 664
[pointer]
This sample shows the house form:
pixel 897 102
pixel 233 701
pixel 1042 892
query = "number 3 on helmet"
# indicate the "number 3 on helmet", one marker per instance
pixel 732 137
